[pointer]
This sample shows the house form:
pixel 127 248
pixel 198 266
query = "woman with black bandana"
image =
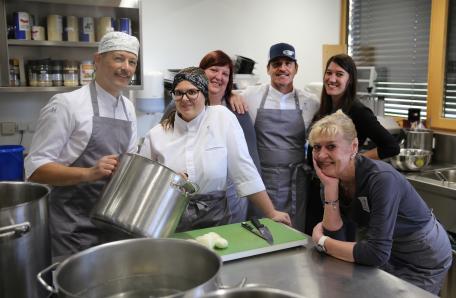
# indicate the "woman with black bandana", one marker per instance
pixel 207 144
pixel 219 70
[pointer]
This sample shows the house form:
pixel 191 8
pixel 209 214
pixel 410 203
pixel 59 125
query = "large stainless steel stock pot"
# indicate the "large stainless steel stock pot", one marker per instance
pixel 140 267
pixel 252 292
pixel 143 198
pixel 25 245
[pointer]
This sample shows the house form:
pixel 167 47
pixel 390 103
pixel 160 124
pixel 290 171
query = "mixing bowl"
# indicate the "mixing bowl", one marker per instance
pixel 411 159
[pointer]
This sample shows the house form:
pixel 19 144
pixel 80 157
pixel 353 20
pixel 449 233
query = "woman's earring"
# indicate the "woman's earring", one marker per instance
pixel 353 155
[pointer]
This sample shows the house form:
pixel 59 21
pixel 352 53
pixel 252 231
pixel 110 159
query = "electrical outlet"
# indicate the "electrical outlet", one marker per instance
pixel 21 126
pixel 8 128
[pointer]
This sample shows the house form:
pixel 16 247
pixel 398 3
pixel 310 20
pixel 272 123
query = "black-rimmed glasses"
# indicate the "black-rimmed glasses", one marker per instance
pixel 192 94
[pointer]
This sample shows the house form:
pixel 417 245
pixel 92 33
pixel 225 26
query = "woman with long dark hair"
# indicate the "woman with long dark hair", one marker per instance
pixel 339 92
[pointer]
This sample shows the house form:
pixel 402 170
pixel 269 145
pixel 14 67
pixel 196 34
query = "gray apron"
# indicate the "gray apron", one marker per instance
pixel 238 206
pixel 205 210
pixel 281 138
pixel 422 258
pixel 70 206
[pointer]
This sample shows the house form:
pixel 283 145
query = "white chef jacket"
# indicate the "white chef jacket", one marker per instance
pixel 308 102
pixel 210 149
pixel 65 126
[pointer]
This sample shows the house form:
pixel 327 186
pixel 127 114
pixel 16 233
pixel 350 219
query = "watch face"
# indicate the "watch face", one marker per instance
pixel 320 248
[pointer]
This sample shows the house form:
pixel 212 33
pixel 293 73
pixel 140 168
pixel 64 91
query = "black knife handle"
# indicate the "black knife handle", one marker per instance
pixel 256 223
pixel 247 226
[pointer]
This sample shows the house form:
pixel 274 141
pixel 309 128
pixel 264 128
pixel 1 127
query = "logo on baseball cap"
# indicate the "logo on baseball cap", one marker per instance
pixel 282 50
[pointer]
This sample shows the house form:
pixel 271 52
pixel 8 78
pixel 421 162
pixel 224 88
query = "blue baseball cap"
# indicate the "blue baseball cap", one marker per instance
pixel 282 50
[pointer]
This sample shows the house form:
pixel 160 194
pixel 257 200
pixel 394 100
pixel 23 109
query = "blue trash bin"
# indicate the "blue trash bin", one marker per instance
pixel 11 163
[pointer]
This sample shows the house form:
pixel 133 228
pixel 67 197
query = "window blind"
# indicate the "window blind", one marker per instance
pixel 450 75
pixel 393 36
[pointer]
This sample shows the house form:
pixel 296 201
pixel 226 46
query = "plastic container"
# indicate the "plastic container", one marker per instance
pixel 54 27
pixel 38 33
pixel 86 29
pixel 104 25
pixel 125 25
pixel 11 163
pixel 70 28
pixel 22 25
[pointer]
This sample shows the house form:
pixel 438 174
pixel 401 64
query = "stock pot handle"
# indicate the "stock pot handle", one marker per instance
pixel 43 282
pixel 187 187
pixel 15 231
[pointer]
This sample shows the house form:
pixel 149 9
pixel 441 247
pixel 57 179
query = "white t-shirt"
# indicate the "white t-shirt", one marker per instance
pixel 210 149
pixel 308 102
pixel 65 126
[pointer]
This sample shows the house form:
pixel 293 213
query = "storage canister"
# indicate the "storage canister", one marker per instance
pixel 24 238
pixel 38 33
pixel 86 29
pixel 71 27
pixel 11 163
pixel 54 27
pixel 86 71
pixel 125 25
pixel 21 24
pixel 57 72
pixel 104 25
pixel 70 73
pixel 44 73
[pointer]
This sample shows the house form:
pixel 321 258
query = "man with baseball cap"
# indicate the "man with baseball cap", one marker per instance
pixel 281 114
pixel 78 139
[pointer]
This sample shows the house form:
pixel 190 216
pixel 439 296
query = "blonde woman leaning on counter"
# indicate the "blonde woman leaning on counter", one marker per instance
pixel 206 143
pixel 399 233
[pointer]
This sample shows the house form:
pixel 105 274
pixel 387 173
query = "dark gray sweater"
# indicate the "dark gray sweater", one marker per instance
pixel 386 206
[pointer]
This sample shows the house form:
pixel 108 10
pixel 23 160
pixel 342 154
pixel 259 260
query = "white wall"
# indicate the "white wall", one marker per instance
pixel 178 33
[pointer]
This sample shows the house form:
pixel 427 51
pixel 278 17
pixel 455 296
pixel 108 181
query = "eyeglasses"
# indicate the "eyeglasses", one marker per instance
pixel 192 94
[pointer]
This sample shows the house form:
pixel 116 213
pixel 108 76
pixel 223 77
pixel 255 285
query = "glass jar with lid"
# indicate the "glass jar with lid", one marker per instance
pixel 14 79
pixel 44 74
pixel 57 72
pixel 70 73
pixel 32 73
pixel 86 72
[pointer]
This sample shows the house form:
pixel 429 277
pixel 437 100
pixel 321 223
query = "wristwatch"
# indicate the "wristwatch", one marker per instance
pixel 321 244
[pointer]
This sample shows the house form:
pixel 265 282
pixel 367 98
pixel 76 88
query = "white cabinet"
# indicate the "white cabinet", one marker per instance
pixel 26 50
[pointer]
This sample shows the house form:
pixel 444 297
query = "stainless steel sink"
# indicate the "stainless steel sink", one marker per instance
pixel 438 188
pixel 442 175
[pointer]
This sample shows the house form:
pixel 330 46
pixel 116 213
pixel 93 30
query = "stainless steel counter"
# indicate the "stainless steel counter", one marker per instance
pixel 311 274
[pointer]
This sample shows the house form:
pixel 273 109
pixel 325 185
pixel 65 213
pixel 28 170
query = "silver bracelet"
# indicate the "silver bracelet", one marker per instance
pixel 332 203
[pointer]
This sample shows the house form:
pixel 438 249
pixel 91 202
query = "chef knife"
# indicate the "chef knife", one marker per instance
pixel 263 230
pixel 253 230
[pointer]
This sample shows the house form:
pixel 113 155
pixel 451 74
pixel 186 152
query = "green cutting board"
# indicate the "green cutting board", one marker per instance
pixel 243 243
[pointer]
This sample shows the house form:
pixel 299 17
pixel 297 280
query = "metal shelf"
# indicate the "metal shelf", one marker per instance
pixel 48 43
pixel 51 89
pixel 106 3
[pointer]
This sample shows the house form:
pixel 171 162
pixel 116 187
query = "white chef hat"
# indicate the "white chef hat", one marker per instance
pixel 118 41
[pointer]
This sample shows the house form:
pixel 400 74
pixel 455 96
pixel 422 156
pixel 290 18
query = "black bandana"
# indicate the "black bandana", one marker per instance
pixel 194 75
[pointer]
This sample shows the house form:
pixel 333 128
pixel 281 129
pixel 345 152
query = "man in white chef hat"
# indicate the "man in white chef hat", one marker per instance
pixel 78 139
